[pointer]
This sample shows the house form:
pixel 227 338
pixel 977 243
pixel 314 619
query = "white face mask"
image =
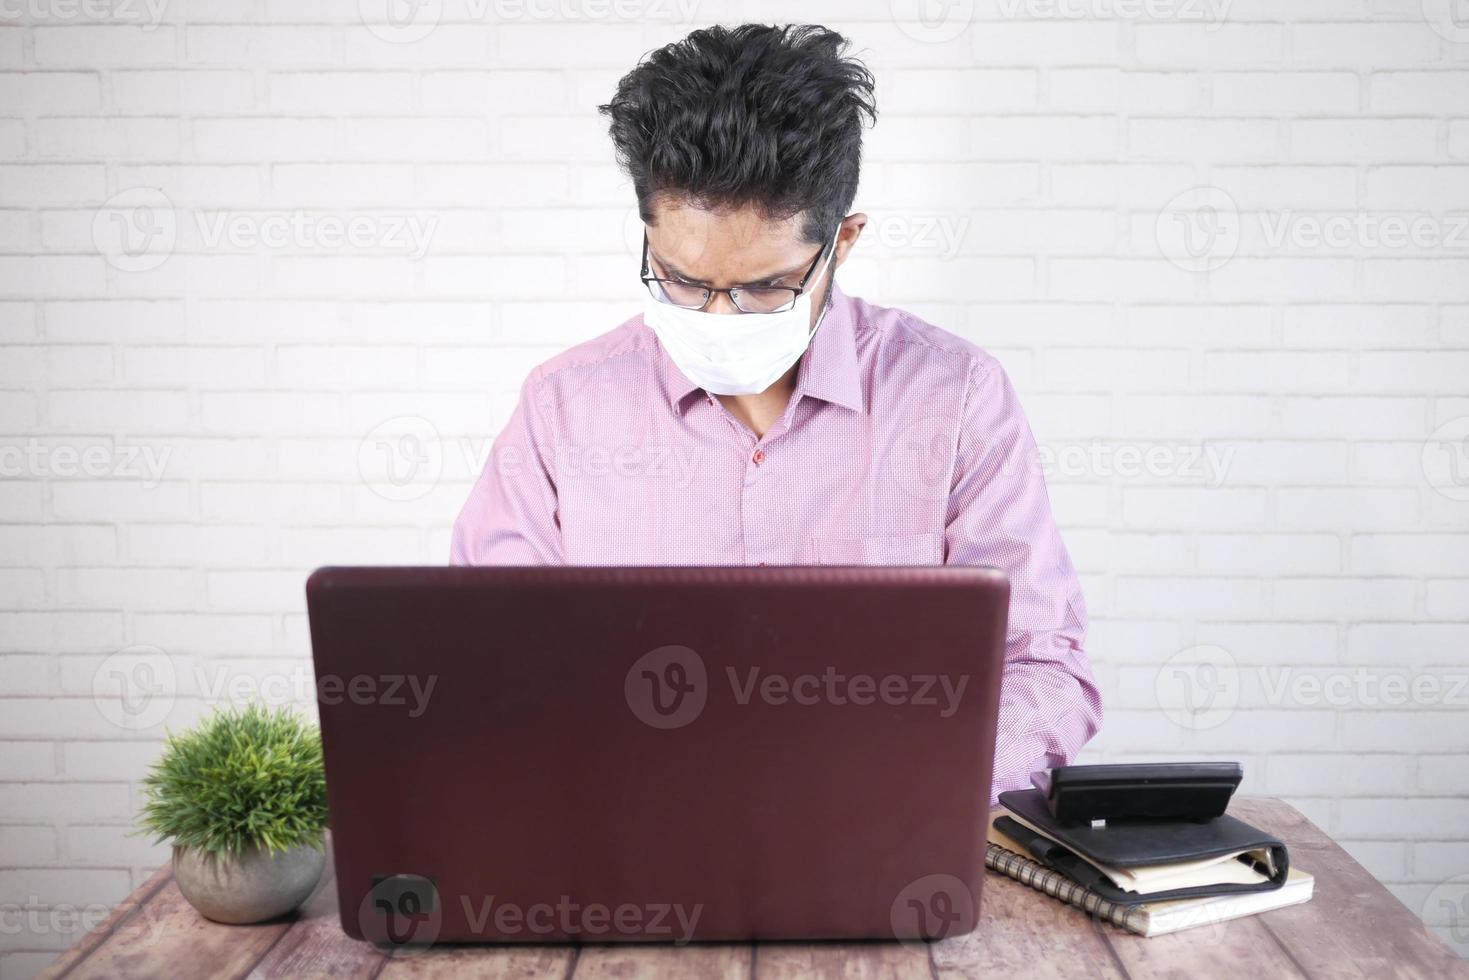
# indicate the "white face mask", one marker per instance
pixel 736 353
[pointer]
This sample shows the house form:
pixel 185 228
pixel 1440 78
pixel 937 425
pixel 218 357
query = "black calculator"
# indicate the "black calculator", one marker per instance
pixel 1139 791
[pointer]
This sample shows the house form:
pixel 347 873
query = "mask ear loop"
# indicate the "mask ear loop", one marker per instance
pixel 830 289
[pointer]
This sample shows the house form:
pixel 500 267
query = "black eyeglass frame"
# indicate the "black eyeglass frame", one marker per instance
pixel 731 291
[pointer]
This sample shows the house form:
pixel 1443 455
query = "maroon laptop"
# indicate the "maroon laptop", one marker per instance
pixel 657 754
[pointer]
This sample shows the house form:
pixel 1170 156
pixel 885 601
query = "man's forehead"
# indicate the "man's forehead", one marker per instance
pixel 731 244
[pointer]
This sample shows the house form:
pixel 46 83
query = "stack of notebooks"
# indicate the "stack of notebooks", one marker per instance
pixel 1148 877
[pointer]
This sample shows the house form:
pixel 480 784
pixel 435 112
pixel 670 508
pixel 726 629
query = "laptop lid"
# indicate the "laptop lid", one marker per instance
pixel 657 754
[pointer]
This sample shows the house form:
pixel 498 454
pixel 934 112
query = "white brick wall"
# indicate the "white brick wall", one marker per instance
pixel 1250 411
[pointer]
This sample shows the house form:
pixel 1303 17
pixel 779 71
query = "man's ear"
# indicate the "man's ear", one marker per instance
pixel 847 234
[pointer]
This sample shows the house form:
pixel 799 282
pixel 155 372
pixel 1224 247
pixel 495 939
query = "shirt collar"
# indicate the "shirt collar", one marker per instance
pixel 828 370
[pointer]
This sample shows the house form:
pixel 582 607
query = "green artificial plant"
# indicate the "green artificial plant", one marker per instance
pixel 242 778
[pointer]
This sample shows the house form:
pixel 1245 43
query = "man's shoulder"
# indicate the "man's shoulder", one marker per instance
pixel 628 341
pixel 904 339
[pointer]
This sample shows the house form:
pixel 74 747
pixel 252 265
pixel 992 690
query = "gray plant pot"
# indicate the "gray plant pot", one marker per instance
pixel 249 887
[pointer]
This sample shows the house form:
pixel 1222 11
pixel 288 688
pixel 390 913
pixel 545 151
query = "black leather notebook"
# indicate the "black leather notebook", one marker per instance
pixel 1077 850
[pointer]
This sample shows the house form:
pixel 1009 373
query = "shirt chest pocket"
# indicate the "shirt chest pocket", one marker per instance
pixel 881 549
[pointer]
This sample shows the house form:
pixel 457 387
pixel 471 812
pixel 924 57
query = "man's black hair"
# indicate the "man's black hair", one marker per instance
pixel 755 114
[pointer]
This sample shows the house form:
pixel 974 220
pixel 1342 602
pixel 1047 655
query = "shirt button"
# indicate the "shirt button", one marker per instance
pixel 759 457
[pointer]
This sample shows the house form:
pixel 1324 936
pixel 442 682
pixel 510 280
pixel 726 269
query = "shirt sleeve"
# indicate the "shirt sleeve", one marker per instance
pixel 1000 515
pixel 510 517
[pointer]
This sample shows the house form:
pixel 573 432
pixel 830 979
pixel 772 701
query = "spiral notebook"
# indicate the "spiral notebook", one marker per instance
pixel 1005 856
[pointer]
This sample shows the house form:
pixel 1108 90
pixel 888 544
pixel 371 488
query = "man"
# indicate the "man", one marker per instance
pixel 756 414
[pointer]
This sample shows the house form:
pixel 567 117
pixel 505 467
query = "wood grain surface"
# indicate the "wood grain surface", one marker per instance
pixel 1353 927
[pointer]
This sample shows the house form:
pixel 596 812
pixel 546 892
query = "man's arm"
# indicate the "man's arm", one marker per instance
pixel 510 516
pixel 1000 515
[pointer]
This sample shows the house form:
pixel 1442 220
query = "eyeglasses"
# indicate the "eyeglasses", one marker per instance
pixel 746 299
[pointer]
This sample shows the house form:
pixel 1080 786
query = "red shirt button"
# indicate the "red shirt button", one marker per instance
pixel 759 457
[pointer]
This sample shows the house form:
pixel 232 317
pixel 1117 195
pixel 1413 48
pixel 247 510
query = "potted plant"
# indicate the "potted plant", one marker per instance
pixel 243 798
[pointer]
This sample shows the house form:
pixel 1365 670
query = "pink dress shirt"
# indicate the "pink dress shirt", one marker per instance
pixel 902 445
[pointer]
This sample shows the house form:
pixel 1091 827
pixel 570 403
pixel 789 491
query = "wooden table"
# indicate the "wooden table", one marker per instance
pixel 1353 927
